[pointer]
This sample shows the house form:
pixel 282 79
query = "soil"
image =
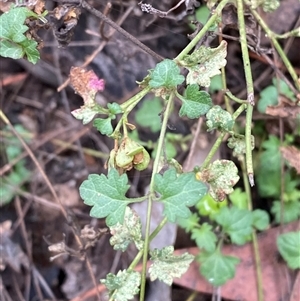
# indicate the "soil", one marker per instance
pixel 67 151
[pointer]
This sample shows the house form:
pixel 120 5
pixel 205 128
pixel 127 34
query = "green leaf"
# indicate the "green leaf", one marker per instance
pixel 195 103
pixel 188 224
pixel 204 63
pixel 268 97
pixel 270 5
pixel 216 267
pixel 14 43
pixel 289 247
pixel 207 206
pixel 215 84
pixel 114 109
pixel 239 198
pixel 148 114
pixel 261 219
pixel 124 285
pixel 106 195
pixel 85 113
pixel 12 24
pixel 129 231
pixel 11 50
pixel 284 89
pixel 205 238
pixel 221 175
pixel 291 211
pixel 178 193
pixel 103 126
pixel 166 74
pixel 30 49
pixel 219 119
pixel 237 223
pixel 166 266
pixel 268 172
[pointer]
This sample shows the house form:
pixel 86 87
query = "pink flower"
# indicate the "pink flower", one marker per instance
pixel 96 83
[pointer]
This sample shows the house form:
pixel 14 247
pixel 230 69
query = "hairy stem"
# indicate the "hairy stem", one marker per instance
pixel 259 278
pixel 152 192
pixel 250 89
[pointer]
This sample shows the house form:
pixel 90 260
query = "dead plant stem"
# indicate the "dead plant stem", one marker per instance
pixel 114 25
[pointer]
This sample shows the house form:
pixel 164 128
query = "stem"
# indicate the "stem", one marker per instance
pixel 127 107
pixel 277 46
pixel 260 293
pixel 141 252
pixel 250 89
pixel 215 14
pixel 151 194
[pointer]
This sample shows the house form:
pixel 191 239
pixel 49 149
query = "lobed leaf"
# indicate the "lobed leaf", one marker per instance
pixel 289 247
pixel 178 193
pixel 205 238
pixel 261 219
pixel 106 195
pixel 219 119
pixel 221 175
pixel 204 63
pixel 166 74
pixel 237 223
pixel 216 267
pixel 124 285
pixel 129 231
pixel 103 125
pixel 195 103
pixel 166 266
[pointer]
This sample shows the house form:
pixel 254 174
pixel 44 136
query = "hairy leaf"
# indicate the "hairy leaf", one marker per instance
pixel 237 223
pixel 178 193
pixel 129 231
pixel 195 103
pixel 261 219
pixel 106 195
pixel 205 238
pixel 148 114
pixel 216 267
pixel 103 125
pixel 166 266
pixel 219 119
pixel 124 285
pixel 204 63
pixel 166 74
pixel 289 247
pixel 221 175
pixel 291 211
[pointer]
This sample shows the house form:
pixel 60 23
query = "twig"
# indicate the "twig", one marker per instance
pixel 114 25
pixel 272 37
pixel 100 47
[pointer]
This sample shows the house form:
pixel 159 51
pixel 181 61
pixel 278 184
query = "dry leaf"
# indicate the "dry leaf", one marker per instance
pixel 285 108
pixel 292 155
